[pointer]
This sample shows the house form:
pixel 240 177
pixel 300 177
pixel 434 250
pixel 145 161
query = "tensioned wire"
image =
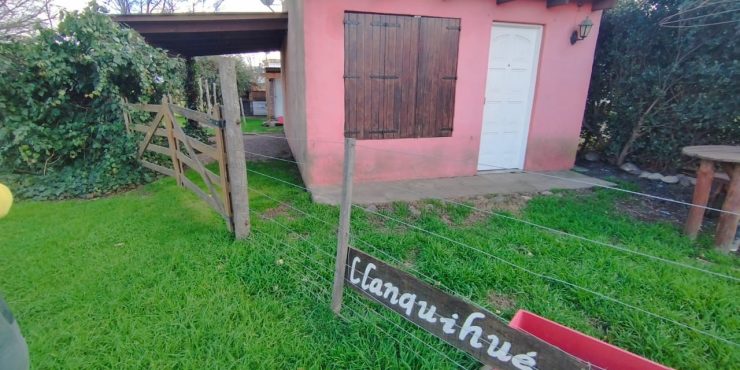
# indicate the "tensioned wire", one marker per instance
pixel 534 273
pixel 428 278
pixel 318 248
pixel 318 287
pixel 318 277
pixel 552 230
pixel 561 178
pixel 319 264
pixel 675 20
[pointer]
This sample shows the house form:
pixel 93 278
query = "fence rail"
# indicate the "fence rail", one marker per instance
pixel 184 151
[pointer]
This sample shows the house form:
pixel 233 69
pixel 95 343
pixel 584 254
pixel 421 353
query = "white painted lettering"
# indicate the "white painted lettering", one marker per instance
pixel 368 268
pixel 468 328
pixel 391 289
pixel 502 354
pixel 429 314
pixel 449 323
pixel 407 301
pixel 375 287
pixel 524 361
pixel 352 278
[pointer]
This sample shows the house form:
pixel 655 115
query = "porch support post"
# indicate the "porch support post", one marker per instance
pixel 234 143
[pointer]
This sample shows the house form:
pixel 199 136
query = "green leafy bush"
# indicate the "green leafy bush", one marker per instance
pixel 655 89
pixel 61 128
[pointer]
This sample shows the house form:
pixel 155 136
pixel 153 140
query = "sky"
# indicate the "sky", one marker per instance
pixel 227 6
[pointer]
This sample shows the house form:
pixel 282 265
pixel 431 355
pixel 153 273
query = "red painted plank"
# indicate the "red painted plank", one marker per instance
pixel 590 349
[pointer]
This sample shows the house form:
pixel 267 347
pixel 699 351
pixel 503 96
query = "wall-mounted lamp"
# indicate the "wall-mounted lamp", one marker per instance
pixel 583 30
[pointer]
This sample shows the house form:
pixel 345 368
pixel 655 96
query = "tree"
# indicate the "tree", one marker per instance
pixel 143 6
pixel 22 17
pixel 206 69
pixel 655 89
pixel 61 124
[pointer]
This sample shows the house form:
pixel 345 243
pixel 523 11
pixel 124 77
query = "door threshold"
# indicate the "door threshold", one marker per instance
pixel 509 170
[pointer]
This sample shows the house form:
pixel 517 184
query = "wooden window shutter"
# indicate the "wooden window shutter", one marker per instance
pixel 382 67
pixel 436 76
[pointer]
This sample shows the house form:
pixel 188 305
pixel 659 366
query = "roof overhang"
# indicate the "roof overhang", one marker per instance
pixel 201 34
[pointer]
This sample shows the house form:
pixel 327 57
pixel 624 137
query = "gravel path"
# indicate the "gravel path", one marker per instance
pixel 257 147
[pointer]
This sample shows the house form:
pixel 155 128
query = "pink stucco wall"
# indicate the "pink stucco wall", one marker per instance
pixel 562 86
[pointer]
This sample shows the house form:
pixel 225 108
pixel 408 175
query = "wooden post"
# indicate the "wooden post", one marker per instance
pixel 215 97
pixel 172 142
pixel 344 224
pixel 704 178
pixel 223 171
pixel 727 225
pixel 126 117
pixel 208 100
pixel 234 142
pixel 201 106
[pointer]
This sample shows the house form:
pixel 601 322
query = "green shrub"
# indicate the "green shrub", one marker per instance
pixel 655 89
pixel 61 128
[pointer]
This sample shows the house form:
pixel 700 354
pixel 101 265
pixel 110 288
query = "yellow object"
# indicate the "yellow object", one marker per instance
pixel 6 200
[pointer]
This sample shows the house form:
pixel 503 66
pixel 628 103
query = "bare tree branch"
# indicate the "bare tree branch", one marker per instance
pixel 143 6
pixel 20 18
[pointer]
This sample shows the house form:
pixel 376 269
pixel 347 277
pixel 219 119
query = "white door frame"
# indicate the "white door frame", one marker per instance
pixel 532 88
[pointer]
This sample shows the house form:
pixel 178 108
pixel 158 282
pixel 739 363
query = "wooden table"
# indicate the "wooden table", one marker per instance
pixel 728 157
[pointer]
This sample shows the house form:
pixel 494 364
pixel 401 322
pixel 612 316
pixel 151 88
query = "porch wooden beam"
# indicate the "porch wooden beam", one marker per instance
pixel 215 26
pixel 552 3
pixel 502 1
pixel 602 4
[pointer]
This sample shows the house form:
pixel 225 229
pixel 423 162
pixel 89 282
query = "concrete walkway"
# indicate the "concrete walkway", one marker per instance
pixel 456 187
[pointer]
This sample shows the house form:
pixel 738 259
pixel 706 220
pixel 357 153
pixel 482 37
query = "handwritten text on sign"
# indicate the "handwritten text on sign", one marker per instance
pixel 459 323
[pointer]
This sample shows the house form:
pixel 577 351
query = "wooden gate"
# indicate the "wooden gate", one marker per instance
pixel 184 151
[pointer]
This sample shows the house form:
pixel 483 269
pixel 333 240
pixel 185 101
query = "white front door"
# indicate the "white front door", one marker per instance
pixel 512 71
pixel 277 91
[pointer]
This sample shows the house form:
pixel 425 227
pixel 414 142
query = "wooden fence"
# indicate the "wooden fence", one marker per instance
pixel 184 151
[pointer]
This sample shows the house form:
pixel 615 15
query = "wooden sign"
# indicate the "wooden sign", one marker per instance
pixel 459 323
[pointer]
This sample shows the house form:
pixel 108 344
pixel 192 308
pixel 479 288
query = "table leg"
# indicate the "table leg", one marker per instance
pixel 704 178
pixel 727 226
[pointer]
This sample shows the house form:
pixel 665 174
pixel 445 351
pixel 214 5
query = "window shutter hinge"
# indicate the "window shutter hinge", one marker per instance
pixel 351 23
pixel 385 24
pixel 454 28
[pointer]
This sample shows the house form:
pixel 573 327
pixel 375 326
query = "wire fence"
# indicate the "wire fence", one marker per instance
pixel 321 257
pixel 442 159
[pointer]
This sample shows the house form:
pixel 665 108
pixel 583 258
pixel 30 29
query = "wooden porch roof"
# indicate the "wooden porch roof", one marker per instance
pixel 201 34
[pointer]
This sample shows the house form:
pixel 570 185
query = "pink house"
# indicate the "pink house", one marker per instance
pixel 436 88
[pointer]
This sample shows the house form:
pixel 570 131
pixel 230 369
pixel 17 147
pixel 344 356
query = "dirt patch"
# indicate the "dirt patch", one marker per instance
pixel 281 210
pixel 511 203
pixel 410 259
pixel 501 302
pixel 650 209
pixel 383 223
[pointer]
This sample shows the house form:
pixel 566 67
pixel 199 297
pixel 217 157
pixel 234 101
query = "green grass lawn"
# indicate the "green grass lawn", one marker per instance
pixel 151 279
pixel 250 125
pixel 253 125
